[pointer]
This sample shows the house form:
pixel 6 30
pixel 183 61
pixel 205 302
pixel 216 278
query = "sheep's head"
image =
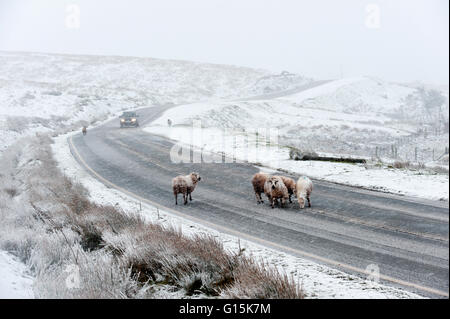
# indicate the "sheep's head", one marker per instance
pixel 195 177
pixel 274 182
pixel 302 200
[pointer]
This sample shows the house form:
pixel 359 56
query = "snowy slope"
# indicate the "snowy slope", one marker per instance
pixel 349 116
pixel 355 95
pixel 41 92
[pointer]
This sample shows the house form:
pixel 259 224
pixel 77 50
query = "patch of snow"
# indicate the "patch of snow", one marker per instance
pixel 15 283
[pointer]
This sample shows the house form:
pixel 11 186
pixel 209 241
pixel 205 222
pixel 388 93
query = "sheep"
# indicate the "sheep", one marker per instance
pixel 185 185
pixel 258 181
pixel 275 189
pixel 290 185
pixel 304 190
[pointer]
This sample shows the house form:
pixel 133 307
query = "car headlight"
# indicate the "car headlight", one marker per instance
pixel 133 120
pixel 122 120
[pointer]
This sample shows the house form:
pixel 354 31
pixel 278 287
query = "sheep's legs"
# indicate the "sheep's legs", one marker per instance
pixel 290 200
pixel 190 197
pixel 309 202
pixel 176 198
pixel 185 198
pixel 259 198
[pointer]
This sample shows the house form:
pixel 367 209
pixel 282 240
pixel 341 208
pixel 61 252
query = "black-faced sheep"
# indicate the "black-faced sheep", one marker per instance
pixel 185 185
pixel 275 189
pixel 304 190
pixel 290 185
pixel 258 181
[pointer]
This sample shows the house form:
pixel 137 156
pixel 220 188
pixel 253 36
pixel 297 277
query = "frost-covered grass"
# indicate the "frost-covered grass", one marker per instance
pixel 49 222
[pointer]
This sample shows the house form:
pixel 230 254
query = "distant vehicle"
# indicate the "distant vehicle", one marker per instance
pixel 129 119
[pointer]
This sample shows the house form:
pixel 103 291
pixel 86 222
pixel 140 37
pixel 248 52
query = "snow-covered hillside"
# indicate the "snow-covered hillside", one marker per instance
pixel 40 92
pixel 353 116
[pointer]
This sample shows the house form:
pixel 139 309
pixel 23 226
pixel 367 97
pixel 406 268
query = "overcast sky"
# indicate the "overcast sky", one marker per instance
pixel 400 40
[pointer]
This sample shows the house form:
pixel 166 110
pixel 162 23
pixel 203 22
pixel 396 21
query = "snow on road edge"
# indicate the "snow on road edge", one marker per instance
pixel 318 281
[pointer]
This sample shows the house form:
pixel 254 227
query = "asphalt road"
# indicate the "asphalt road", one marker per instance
pixel 347 228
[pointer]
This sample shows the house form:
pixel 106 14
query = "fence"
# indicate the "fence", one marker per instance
pixel 408 153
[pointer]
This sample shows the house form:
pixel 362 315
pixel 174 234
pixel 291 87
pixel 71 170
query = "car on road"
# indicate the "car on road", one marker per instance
pixel 129 119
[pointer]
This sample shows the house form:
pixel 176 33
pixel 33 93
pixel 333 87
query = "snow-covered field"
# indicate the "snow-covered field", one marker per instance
pixel 318 281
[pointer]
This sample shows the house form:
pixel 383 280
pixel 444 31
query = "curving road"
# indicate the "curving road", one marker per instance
pixel 347 228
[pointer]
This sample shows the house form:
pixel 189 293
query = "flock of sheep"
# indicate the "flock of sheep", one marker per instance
pixel 274 187
pixel 282 188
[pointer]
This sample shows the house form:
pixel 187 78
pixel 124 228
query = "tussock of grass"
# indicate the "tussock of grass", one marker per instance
pixel 13 192
pixel 51 224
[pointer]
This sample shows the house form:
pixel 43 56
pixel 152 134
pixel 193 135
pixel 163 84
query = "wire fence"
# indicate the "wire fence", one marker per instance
pixel 415 154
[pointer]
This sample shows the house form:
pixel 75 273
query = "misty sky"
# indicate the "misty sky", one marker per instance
pixel 406 41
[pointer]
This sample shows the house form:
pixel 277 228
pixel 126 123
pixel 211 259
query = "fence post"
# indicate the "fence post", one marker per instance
pixel 415 154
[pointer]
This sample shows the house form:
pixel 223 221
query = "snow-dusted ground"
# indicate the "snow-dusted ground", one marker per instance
pixel 15 282
pixel 317 280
